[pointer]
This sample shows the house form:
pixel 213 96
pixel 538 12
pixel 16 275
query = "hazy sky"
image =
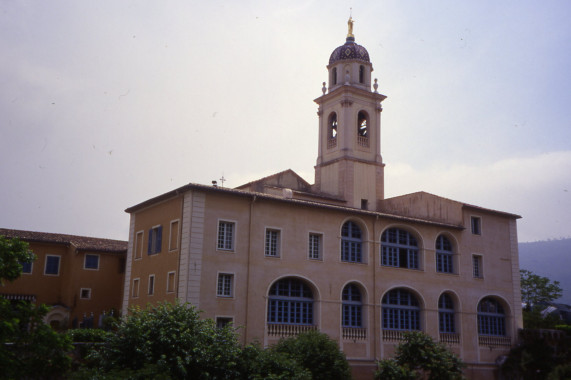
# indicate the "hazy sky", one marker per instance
pixel 104 104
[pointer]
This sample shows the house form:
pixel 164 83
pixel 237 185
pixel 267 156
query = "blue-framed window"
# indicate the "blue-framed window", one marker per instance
pixel 290 302
pixel 399 249
pixel 352 306
pixel 444 255
pixel 155 240
pixel 52 265
pixel 351 243
pixel 91 262
pixel 26 267
pixel 401 310
pixel 491 318
pixel 446 314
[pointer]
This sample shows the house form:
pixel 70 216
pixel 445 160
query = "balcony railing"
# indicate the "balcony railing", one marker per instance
pixel 363 141
pixel 393 335
pixel 450 338
pixel 354 333
pixel 494 341
pixel 331 142
pixel 288 330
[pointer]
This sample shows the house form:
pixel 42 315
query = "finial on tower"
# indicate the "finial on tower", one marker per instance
pixel 350 27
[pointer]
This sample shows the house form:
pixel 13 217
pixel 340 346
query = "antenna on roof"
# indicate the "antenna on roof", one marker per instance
pixel 222 179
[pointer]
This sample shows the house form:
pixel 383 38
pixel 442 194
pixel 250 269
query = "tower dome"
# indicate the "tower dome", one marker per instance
pixel 349 50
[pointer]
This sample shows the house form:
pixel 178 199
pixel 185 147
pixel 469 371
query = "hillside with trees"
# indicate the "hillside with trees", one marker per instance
pixel 552 259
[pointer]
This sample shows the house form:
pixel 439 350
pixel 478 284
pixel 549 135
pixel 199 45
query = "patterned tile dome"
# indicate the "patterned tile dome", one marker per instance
pixel 350 50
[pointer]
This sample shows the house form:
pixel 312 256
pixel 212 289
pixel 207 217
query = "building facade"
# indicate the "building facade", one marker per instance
pixel 279 256
pixel 80 278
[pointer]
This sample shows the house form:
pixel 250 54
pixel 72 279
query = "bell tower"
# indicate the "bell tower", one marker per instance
pixel 349 163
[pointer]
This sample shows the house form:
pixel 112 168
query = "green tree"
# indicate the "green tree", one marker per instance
pixel 537 289
pixel 419 357
pixel 267 364
pixel 318 353
pixel 28 347
pixel 13 252
pixel 172 339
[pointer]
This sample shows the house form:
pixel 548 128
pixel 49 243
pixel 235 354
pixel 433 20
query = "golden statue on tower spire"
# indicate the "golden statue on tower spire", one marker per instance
pixel 350 27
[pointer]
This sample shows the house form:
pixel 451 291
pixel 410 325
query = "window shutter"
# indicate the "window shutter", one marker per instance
pixel 159 239
pixel 150 246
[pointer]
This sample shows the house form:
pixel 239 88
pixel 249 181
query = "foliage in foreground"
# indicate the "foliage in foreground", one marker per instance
pixel 175 340
pixel 170 341
pixel 28 347
pixel 419 357
pixel 318 353
pixel 539 357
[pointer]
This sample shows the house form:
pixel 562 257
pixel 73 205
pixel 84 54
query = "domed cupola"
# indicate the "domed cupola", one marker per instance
pixel 349 64
pixel 350 50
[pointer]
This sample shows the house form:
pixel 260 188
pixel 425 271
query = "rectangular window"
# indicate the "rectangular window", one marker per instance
pixel 151 284
pixel 315 246
pixel 138 249
pixel 225 236
pixel 91 262
pixel 222 322
pixel 155 240
pixel 272 247
pixel 52 265
pixel 173 235
pixel 446 322
pixel 477 266
pixel 224 288
pixel 136 282
pixel 476 225
pixel 444 262
pixel 171 282
pixel 26 267
pixel 85 294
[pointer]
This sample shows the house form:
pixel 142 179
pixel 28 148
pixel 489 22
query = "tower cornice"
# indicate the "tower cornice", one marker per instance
pixel 346 89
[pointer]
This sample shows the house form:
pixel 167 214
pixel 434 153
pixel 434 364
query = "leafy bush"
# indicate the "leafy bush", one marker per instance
pixel 88 335
pixel 258 363
pixel 318 353
pixel 420 357
pixel 173 338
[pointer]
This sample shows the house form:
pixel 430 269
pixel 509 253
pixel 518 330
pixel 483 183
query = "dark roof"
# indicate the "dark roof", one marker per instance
pixel 223 190
pixel 349 50
pixel 81 242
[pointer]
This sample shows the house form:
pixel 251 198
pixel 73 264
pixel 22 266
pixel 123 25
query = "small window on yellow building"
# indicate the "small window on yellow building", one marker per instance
pixel 173 235
pixel 138 249
pixel 135 292
pixel 171 282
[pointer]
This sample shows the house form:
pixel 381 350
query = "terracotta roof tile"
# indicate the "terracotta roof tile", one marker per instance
pixel 81 242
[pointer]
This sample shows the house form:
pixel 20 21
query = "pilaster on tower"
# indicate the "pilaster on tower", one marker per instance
pixel 349 162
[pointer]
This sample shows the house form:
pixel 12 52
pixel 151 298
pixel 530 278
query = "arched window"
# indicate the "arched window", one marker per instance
pixel 334 76
pixel 290 302
pixel 401 310
pixel 362 124
pixel 352 306
pixel 332 125
pixel 446 314
pixel 491 318
pixel 444 256
pixel 351 243
pixel 399 249
pixel 361 74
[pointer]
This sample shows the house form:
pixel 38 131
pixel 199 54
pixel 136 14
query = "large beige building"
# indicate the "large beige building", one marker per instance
pixel 279 256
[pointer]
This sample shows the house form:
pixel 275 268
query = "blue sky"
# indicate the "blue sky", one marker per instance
pixel 105 104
